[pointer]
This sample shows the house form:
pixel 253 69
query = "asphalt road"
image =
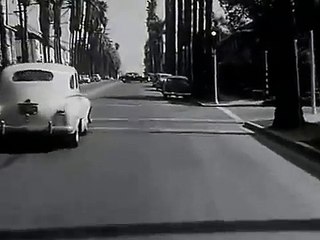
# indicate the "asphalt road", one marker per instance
pixel 147 160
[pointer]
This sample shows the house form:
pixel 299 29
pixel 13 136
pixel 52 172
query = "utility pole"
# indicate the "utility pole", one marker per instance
pixel 313 75
pixel 266 62
pixel 215 76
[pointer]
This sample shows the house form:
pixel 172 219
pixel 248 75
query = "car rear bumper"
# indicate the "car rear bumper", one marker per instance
pixel 48 130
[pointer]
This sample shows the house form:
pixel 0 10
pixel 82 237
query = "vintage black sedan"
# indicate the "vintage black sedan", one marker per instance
pixel 176 86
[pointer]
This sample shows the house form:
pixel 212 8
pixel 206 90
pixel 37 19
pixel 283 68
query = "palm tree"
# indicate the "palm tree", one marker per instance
pixel 4 50
pixel 170 54
pixel 76 13
pixel 44 21
pixel 180 36
pixel 187 27
pixel 57 5
pixel 23 5
pixel 208 50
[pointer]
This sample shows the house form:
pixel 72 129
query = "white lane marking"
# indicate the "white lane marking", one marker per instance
pixel 236 118
pixel 185 120
pixel 117 105
pixel 171 130
pixel 230 114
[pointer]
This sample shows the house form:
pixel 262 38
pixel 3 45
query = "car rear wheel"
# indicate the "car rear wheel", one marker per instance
pixel 73 139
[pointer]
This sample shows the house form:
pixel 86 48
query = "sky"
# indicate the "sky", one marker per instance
pixel 127 27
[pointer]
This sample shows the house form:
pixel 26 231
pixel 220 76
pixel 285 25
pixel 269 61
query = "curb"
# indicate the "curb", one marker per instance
pixel 302 147
pixel 230 104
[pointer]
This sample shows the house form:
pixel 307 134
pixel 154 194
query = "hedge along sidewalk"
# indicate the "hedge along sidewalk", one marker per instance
pixel 305 139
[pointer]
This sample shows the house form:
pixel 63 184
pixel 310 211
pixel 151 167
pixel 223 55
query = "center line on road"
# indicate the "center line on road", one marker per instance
pixel 172 130
pixel 118 105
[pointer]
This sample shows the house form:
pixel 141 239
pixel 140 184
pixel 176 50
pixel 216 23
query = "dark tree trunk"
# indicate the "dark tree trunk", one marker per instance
pixel 187 17
pixel 170 54
pixel 23 32
pixel 199 53
pixel 208 76
pixel 44 20
pixel 194 60
pixel 4 50
pixel 288 113
pixel 180 34
pixel 57 30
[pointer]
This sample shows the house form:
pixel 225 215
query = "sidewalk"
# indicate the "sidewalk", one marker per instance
pixel 305 139
pixel 232 101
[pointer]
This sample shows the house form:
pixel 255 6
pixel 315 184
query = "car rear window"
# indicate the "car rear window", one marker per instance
pixel 32 76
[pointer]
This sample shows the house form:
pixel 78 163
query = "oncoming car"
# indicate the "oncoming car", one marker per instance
pixel 40 98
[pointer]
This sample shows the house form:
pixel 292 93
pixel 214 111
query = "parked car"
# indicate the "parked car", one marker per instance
pixel 152 77
pixel 160 79
pixel 106 77
pixel 84 79
pixel 43 98
pixel 176 86
pixel 96 78
pixel 122 78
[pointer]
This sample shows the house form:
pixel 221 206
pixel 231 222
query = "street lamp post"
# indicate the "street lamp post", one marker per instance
pixel 215 70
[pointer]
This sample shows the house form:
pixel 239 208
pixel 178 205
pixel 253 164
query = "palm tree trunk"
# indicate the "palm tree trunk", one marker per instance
pixel 288 113
pixel 4 50
pixel 170 54
pixel 200 48
pixel 180 36
pixel 57 30
pixel 44 21
pixel 24 53
pixel 208 51
pixel 187 17
pixel 194 60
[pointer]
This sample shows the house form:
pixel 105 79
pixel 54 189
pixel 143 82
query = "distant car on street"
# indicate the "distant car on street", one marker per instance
pixel 96 78
pixel 132 76
pixel 176 86
pixel 151 77
pixel 43 98
pixel 160 79
pixel 84 79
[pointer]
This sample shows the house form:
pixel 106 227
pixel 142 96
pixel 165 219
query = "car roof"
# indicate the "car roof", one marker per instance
pixel 40 66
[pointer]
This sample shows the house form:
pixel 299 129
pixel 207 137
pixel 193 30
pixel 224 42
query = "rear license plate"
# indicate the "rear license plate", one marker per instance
pixel 31 109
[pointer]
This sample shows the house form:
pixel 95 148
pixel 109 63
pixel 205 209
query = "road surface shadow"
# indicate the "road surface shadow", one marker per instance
pixel 28 144
pixel 135 97
pixel 9 161
pixel 204 227
pixel 183 101
pixel 307 163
